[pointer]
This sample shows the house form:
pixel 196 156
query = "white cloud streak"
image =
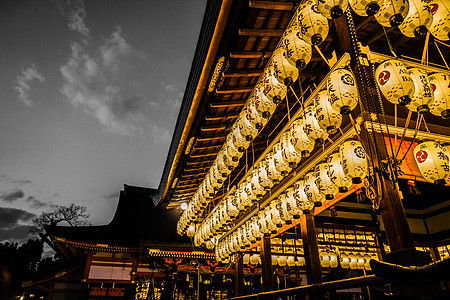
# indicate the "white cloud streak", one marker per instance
pixel 75 12
pixel 22 84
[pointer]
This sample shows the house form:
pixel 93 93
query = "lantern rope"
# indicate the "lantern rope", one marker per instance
pixel 425 49
pixel 287 107
pixel 414 137
pixel 321 55
pixel 442 56
pixel 425 123
pixel 408 118
pixel 391 46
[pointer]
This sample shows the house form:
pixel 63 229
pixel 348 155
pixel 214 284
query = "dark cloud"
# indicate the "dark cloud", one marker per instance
pixel 11 195
pixel 35 203
pixel 114 195
pixel 13 224
pixel 19 234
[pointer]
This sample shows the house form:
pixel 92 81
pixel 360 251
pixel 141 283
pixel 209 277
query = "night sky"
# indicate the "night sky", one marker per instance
pixel 90 93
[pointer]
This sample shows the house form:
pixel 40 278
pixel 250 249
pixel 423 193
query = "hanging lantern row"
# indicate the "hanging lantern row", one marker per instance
pixel 290 261
pixel 433 161
pixel 308 28
pixel 253 259
pixel 414 88
pixel 354 260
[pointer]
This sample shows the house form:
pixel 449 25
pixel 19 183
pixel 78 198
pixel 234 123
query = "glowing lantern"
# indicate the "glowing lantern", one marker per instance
pixel 208 186
pixel 342 91
pixel 312 191
pixel 302 201
pixel 210 244
pixel 232 150
pixel 216 172
pixel 284 71
pixel 283 209
pixel 262 223
pixel 392 12
pixel 253 115
pixel 263 104
pixel 246 259
pixel 440 28
pixel 353 261
pixel 282 261
pixel 254 259
pixel 257 189
pixel 269 222
pixel 336 174
pixel 440 84
pixel 231 207
pixel 353 160
pixel 272 172
pixel 216 179
pixel 311 126
pixel 297 51
pixel 239 141
pixel 227 159
pixel 302 144
pixel 300 261
pixel 292 207
pixel 274 260
pixel 191 231
pixel 327 118
pixel 281 165
pixel 290 261
pixel 290 155
pixel 432 162
pixel 333 259
pixel 324 259
pixel 313 26
pixel 272 88
pixel 332 9
pixel 418 20
pixel 323 182
pixel 423 93
pixel 276 217
pixel 360 262
pixel 395 81
pixel 365 7
pixel 344 260
pixel 256 232
pixel 241 198
pixel 222 167
pixel 249 191
pixel 246 128
pixel 263 178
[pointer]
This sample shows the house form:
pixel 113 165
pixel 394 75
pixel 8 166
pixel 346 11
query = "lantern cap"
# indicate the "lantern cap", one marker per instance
pixel 356 180
pixel 329 197
pixel 316 39
pixel 317 204
pixel 445 114
pixel 404 100
pixel 420 31
pixel 288 222
pixel 288 81
pixel 345 110
pixel 372 8
pixel 331 129
pixel 266 114
pixel 421 109
pixel 439 182
pixel 343 189
pixel 396 20
pixel 300 64
pixel 336 11
pixel 305 153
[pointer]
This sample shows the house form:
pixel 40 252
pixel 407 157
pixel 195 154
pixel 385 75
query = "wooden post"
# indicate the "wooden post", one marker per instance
pixel 266 261
pixel 311 249
pixel 239 276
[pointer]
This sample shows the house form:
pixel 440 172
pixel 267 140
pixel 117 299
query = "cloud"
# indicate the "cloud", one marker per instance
pixel 114 195
pixel 22 84
pixel 75 12
pixel 37 204
pixel 11 195
pixel 15 224
pixel 160 135
pixel 92 83
pixel 21 182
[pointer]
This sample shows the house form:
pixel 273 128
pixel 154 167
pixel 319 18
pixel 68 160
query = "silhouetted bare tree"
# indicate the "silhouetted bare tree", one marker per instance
pixel 74 215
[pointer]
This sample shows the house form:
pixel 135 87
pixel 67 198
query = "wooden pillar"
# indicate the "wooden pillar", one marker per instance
pixel 239 276
pixel 266 261
pixel 310 248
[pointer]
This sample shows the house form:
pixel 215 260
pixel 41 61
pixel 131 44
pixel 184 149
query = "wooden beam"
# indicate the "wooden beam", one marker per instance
pixel 311 249
pixel 242 73
pixel 192 175
pixel 237 89
pixel 261 32
pixel 221 117
pixel 225 104
pixel 251 54
pixel 213 127
pixel 209 138
pixel 203 155
pixel 271 5
pixel 195 169
pixel 207 147
pixel 266 264
pixel 239 275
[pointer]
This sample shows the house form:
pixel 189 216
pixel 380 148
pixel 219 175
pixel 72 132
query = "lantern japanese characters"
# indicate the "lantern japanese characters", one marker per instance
pixel 323 182
pixel 231 207
pixel 281 165
pixel 440 83
pixel 313 26
pixel 256 232
pixel 232 151
pixel 245 126
pixel 228 160
pixel 297 51
pixel 395 81
pixel 221 165
pixel 312 191
pixel 262 223
pixel 302 201
pixel 302 144
pixel 344 260
pixel 191 231
pixel 332 9
pixel 293 209
pixel 324 259
pixel 253 115
pixel 290 155
pixel 271 171
pixel 423 93
pixel 263 104
pixel 418 20
pixel 432 162
pixel 336 174
pixel 327 118
pixel 342 91
pixel 312 128
pixel 334 261
pixel 269 222
pixel 284 71
pixel 392 12
pixel 257 189
pixel 272 88
pixel 239 141
pixel 365 8
pixel 249 191
pixel 263 178
pixel 283 208
pixel 353 160
pixel 440 27
pixel 254 259
pixel 276 217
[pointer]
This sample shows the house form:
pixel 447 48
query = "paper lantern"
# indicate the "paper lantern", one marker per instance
pixel 282 261
pixel 257 189
pixel 274 260
pixel 440 27
pixel 222 167
pixel 208 186
pixel 302 144
pixel 300 261
pixel 418 20
pixel 272 88
pixel 246 259
pixel 324 259
pixel 342 91
pixel 254 259
pixel 302 201
pixel 313 26
pixel 432 162
pixel 263 104
pixel 392 13
pixel 440 83
pixel 312 191
pixel 232 151
pixel 231 206
pixel 269 221
pixel 290 261
pixel 311 127
pixel 332 9
pixel 367 259
pixel 276 216
pixel 365 7
pixel 284 71
pixel 423 93
pixel 262 223
pixel 336 174
pixel 446 148
pixel 227 159
pixel 216 172
pixel 247 129
pixel 353 261
pixel 283 208
pixel 281 165
pixel 353 160
pixel 327 118
pixel 344 260
pixel 263 178
pixel 255 118
pixel 360 261
pixel 395 81
pixel 256 232
pixel 334 261
pixel 297 51
pixel 245 236
pixel 191 231
pixel 271 171
pixel 249 190
pixel 210 245
pixel 323 182
pixel 293 209
pixel 241 198
pixel 215 177
pixel 239 141
pixel 290 155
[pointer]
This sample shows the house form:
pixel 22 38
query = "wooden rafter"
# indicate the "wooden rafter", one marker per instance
pixel 272 5
pixel 232 90
pixel 221 117
pixel 261 32
pixel 242 73
pixel 213 127
pixel 224 104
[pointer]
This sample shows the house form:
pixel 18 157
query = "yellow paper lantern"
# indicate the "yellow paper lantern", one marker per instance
pixel 334 261
pixel 328 118
pixel 254 259
pixel 222 167
pixel 312 191
pixel 418 20
pixel 342 91
pixel 263 178
pixel 395 82
pixel 276 216
pixel 283 208
pixel 245 126
pixel 282 261
pixel 293 209
pixel 440 27
pixel 432 162
pixel 365 8
pixel 272 88
pixel 257 189
pixel 290 155
pixel 246 259
pixel 262 223
pixel 300 261
pixel 344 260
pixel 281 165
pixel 256 232
pixel 302 144
pixel 392 13
pixel 269 221
pixel 255 118
pixel 313 26
pixel 265 106
pixel 353 261
pixel 272 172
pixel 440 83
pixel 353 160
pixel 290 261
pixel 191 231
pixel 336 174
pixel 239 141
pixel 423 93
pixel 302 201
pixel 332 9
pixel 324 259
pixel 311 127
pixel 274 260
pixel 323 181
pixel 297 51
pixel 284 71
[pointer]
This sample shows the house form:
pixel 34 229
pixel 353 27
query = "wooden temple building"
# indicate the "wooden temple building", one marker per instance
pixel 395 214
